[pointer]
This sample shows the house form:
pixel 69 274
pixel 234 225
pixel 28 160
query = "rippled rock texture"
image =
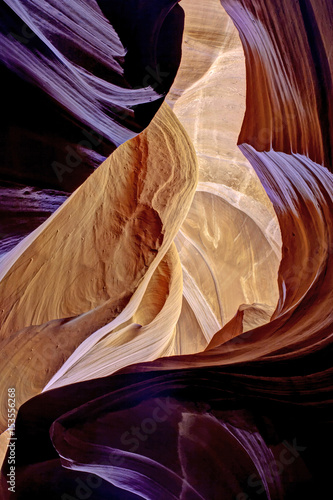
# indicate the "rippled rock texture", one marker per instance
pixel 168 329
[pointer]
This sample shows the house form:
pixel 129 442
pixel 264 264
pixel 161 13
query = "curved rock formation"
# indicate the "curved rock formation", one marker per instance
pixel 229 244
pixel 295 73
pixel 76 62
pixel 75 283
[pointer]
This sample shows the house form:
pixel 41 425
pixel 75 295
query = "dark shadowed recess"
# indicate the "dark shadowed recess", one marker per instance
pixel 152 33
pixel 98 411
pixel 36 132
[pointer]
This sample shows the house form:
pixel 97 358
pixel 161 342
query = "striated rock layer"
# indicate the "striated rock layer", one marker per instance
pixel 77 63
pixel 75 281
pixel 23 209
pixel 229 245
